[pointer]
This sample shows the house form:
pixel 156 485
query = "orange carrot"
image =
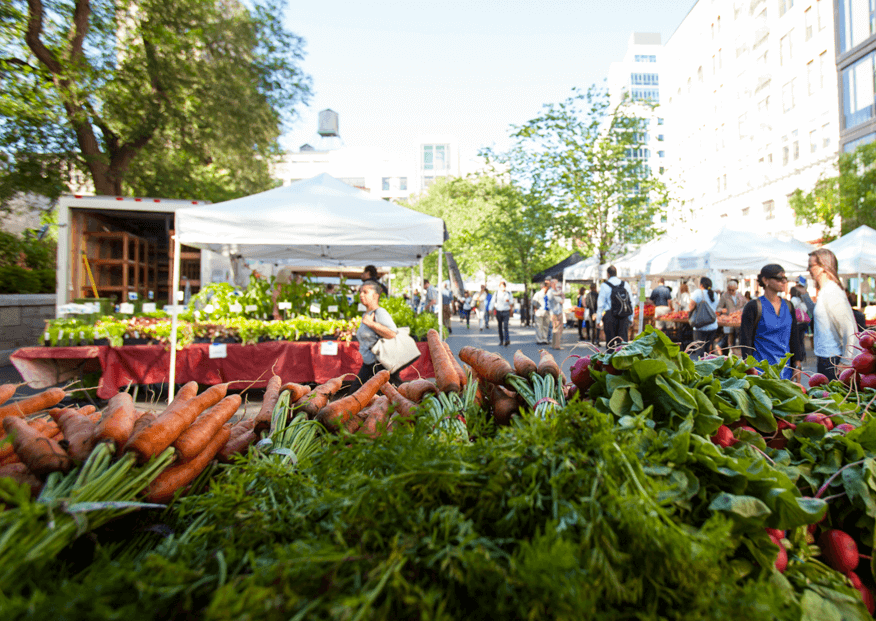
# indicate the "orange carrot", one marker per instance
pixel 417 389
pixel 194 439
pixel 445 375
pixel 6 392
pixel 524 366
pixel 336 414
pixel 242 435
pixel 296 391
pixel 378 416
pixel 31 405
pixel 78 431
pixel 179 475
pixel 167 427
pixel 356 421
pixel 460 372
pixel 12 458
pixel 404 408
pixel 547 365
pixel 40 454
pixel 272 395
pixel 504 405
pixel 317 399
pixel 143 421
pixel 118 421
pixel 20 474
pixel 492 367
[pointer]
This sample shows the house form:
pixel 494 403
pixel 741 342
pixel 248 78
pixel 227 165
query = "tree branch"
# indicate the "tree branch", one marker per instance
pixel 79 28
pixel 33 34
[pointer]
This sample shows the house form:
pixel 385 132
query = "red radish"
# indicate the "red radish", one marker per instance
pixel 783 424
pixel 778 443
pixel 839 550
pixel 867 340
pixel 818 379
pixel 847 376
pixel 866 594
pixel 581 374
pixel 752 371
pixel 775 533
pixel 819 419
pixel 864 363
pixel 609 368
pixel 844 428
pixel 868 381
pixel 747 428
pixel 724 437
pixel 781 559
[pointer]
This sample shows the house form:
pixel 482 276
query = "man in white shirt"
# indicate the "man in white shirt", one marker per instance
pixel 430 298
pixel 614 312
pixel 541 308
pixel 501 304
pixel 557 318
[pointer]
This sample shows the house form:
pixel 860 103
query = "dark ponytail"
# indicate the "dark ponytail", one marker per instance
pixel 706 283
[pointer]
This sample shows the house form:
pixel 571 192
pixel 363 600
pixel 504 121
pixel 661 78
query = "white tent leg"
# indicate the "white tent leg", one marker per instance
pixel 440 284
pixel 177 250
pixel 420 287
pixel 860 287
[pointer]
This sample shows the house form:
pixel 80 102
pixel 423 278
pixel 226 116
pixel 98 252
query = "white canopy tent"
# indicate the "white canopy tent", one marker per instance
pixel 314 222
pixel 588 269
pixel 855 254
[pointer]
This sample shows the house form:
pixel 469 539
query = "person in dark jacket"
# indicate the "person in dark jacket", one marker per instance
pixel 769 324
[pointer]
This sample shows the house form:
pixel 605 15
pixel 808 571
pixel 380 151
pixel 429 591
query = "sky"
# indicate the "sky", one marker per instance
pixel 395 70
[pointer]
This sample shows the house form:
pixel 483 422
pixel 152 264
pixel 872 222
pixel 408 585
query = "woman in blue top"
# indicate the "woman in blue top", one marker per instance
pixel 705 333
pixel 376 324
pixel 768 322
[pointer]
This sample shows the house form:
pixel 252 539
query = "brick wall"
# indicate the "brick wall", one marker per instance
pixel 22 321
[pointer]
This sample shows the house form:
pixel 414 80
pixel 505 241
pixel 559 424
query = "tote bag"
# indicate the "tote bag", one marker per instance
pixel 396 353
pixel 702 315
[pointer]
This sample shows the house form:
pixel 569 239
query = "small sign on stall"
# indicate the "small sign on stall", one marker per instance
pixel 126 308
pixel 218 350
pixel 315 308
pixel 148 307
pixel 235 308
pixel 328 348
pixel 333 309
pixel 251 308
pixel 284 305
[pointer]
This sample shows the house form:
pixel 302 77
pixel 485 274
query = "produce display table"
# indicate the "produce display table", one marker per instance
pixel 300 361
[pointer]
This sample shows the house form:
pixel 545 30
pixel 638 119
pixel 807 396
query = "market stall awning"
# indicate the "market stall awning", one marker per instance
pixel 314 222
pixel 856 251
pixel 556 271
pixel 588 269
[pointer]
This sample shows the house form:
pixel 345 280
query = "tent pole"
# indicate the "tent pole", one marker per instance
pixel 440 283
pixel 420 286
pixel 174 311
pixel 859 290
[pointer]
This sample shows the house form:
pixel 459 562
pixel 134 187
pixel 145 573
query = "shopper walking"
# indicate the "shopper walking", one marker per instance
pixel 833 318
pixel 730 302
pixel 500 304
pixel 592 304
pixel 581 303
pixel 541 308
pixel 558 319
pixel 614 307
pixel 466 309
pixel 480 302
pixel 705 333
pixel 446 306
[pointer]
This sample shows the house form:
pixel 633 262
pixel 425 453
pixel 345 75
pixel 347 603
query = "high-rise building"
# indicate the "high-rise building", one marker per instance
pixel 856 66
pixel 751 110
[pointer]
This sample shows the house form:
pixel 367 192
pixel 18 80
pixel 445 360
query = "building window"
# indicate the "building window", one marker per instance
pixel 646 94
pixel 788 96
pixel 385 184
pixel 810 76
pixel 435 156
pixel 821 7
pixel 720 62
pixel 659 121
pixel 661 153
pixel 745 211
pixel 646 58
pixel 403 184
pixel 644 79
pixel 785 50
pixel 786 151
pixel 725 182
pixel 700 74
pixel 822 68
pixel 795 146
pixel 659 137
pixel 858 91
pixel 662 170
pixel 763 106
pixel 742 124
pixel 825 136
pixel 427 182
pixel 785 6
pixel 807 20
pixel 856 22
pixel 769 210
pixel 719 184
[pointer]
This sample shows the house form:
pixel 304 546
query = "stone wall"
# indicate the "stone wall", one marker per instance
pixel 23 320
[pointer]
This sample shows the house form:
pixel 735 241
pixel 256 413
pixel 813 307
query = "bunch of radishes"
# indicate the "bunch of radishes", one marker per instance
pixel 862 372
pixel 840 551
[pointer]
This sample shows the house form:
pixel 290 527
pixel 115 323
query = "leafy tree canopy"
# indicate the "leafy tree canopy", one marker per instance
pixel 586 159
pixel 179 99
pixel 847 199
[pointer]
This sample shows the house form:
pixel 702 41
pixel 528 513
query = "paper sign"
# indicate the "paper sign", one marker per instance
pixel 149 307
pixel 251 308
pixel 361 308
pixel 235 308
pixel 60 335
pixel 173 308
pixel 314 308
pixel 218 350
pixel 180 296
pixel 126 308
pixel 284 305
pixel 197 315
pixel 328 348
pixel 333 309
pixel 208 308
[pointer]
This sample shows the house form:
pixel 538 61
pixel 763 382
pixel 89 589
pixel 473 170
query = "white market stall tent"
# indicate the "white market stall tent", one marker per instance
pixel 314 222
pixel 588 269
pixel 855 252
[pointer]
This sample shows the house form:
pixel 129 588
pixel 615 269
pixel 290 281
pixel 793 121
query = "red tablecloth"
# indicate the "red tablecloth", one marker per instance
pixel 252 365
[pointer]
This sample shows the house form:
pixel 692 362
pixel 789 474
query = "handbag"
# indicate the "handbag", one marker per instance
pixel 396 353
pixel 802 316
pixel 702 315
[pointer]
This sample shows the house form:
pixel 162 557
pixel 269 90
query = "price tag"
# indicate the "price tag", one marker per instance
pixel 218 350
pixel 328 348
pixel 60 335
pixel 149 307
pixel 208 308
pixel 235 308
pixel 136 334
pixel 250 308
pixel 197 315
pixel 180 296
pixel 46 336
pixel 82 336
pixel 314 308
pixel 173 308
pixel 361 308
pixel 284 305
pixel 333 309
pixel 126 308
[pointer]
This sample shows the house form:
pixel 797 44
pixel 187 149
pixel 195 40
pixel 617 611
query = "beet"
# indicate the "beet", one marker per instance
pixel 818 379
pixel 864 363
pixel 581 374
pixel 844 428
pixel 819 419
pixel 867 381
pixel 724 437
pixel 839 550
pixel 847 376
pixel 775 533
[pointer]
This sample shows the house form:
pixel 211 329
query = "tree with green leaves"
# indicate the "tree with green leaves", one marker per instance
pixel 843 202
pixel 586 158
pixel 493 227
pixel 180 99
